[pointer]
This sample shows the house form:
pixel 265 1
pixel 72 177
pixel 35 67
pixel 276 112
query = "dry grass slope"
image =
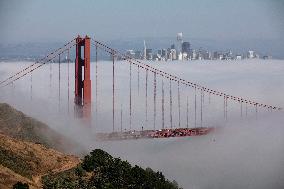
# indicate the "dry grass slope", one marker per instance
pixel 27 149
pixel 17 125
pixel 31 160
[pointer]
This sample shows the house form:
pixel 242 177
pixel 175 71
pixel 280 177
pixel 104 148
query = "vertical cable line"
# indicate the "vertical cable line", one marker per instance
pixel 31 86
pixel 224 108
pixel 50 78
pixel 187 111
pixel 113 91
pixel 241 108
pixel 130 96
pixel 121 118
pixel 138 79
pixel 201 107
pixel 96 109
pixel 68 78
pixel 171 105
pixel 195 106
pixel 163 105
pixel 146 98
pixel 256 111
pixel 155 103
pixel 178 105
pixel 59 81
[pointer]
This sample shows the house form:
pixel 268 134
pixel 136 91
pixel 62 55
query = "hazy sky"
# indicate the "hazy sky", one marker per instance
pixel 53 20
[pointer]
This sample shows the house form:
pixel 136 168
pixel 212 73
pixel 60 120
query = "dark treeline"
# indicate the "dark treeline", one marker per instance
pixel 101 170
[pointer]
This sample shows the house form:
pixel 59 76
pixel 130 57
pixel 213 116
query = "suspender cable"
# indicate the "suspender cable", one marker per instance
pixel 96 111
pixel 195 106
pixel 130 96
pixel 178 105
pixel 138 79
pixel 226 101
pixel 146 99
pixel 241 108
pixel 31 86
pixel 256 111
pixel 163 105
pixel 12 87
pixel 201 108
pixel 224 108
pixel 59 81
pixel 155 93
pixel 121 118
pixel 187 110
pixel 203 96
pixel 171 105
pixel 113 91
pixel 68 78
pixel 50 77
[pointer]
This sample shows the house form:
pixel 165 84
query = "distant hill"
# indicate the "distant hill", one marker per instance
pixel 19 126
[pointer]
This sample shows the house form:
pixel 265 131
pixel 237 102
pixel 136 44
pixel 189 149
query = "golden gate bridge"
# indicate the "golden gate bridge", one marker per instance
pixel 157 83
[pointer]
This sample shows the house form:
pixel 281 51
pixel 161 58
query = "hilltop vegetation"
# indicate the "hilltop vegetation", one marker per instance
pixel 101 170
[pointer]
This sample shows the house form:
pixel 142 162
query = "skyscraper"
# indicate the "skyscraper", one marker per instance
pixel 179 42
pixel 186 47
pixel 145 53
pixel 149 54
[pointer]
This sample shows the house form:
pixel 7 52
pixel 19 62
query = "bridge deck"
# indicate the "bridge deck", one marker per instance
pixel 148 134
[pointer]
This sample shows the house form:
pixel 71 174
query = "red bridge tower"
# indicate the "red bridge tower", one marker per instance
pixel 83 93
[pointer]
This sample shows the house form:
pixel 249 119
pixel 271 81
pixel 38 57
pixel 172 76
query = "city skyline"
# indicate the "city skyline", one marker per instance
pixel 182 50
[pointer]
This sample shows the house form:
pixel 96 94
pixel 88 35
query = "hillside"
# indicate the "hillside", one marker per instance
pixel 28 149
pixel 19 126
pixel 26 160
pixel 28 155
pixel 8 178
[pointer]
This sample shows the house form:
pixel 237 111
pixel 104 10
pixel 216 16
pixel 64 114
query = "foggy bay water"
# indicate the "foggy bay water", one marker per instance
pixel 244 153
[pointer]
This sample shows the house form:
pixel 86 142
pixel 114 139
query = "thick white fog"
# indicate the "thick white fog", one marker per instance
pixel 245 152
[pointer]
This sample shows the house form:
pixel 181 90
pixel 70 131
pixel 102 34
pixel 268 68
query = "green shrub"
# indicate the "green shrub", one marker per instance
pixel 107 172
pixel 20 185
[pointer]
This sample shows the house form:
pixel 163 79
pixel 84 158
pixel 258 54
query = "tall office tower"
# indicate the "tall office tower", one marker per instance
pixel 149 54
pixel 186 47
pixel 164 53
pixel 145 53
pixel 179 42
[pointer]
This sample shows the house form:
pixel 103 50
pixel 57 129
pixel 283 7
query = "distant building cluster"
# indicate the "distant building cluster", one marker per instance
pixel 181 50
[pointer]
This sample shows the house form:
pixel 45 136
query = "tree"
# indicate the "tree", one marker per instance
pixel 96 159
pixel 20 185
pixel 101 170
